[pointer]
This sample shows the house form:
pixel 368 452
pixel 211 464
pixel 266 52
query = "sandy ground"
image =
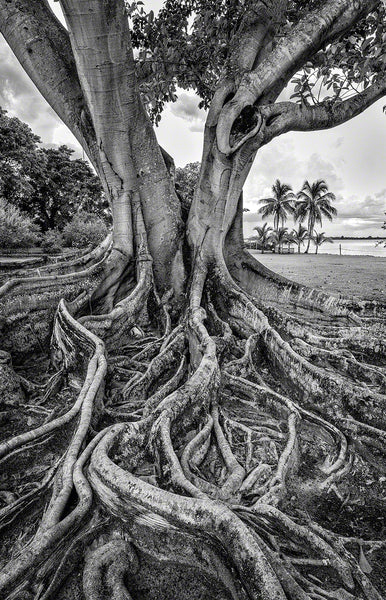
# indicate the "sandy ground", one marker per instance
pixel 362 277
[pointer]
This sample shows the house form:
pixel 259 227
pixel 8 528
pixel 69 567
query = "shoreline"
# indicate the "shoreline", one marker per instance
pixel 362 277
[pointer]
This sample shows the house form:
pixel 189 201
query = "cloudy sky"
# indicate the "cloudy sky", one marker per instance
pixel 351 158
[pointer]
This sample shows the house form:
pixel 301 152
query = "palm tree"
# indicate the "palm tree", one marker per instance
pixel 279 237
pixel 299 236
pixel 263 237
pixel 314 203
pixel 281 203
pixel 319 239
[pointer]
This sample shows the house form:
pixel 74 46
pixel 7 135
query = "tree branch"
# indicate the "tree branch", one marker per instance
pixel 41 45
pixel 257 28
pixel 288 116
pixel 246 49
pixel 304 40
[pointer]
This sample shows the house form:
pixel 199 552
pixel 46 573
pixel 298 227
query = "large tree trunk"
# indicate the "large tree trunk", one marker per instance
pixel 195 437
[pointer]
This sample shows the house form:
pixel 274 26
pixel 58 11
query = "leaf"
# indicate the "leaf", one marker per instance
pixel 363 562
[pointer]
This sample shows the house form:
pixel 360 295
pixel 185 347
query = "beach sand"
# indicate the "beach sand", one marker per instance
pixel 361 277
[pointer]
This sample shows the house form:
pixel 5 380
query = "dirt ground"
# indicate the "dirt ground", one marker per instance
pixel 361 277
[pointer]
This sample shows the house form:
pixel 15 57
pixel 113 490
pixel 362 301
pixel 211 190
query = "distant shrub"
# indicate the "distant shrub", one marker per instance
pixel 85 229
pixel 17 230
pixel 52 241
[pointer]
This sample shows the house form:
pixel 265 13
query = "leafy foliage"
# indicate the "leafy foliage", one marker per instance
pixel 187 46
pixel 299 236
pixel 314 203
pixel 279 237
pixel 45 183
pixel 264 236
pixel 63 187
pixel 186 180
pixel 52 241
pixel 319 239
pixel 279 205
pixel 85 229
pixel 20 162
pixel 16 228
pixel 347 66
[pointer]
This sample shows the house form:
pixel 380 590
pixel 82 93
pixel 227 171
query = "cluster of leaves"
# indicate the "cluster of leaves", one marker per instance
pixel 347 66
pixel 17 229
pixel 270 239
pixel 19 161
pixel 187 46
pixel 312 203
pixel 45 183
pixel 65 186
pixel 84 230
pixel 52 241
pixel 186 181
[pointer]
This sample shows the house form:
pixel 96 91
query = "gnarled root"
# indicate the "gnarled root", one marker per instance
pixel 209 456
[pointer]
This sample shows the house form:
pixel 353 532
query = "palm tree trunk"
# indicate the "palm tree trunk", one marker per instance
pixel 310 228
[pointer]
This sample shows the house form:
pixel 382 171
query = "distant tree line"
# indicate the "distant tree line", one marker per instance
pixel 309 206
pixel 42 191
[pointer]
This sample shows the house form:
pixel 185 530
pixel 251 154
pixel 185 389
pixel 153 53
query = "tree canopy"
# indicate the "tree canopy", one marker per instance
pixel 45 183
pixel 205 413
pixel 192 44
pixel 19 158
pixel 62 188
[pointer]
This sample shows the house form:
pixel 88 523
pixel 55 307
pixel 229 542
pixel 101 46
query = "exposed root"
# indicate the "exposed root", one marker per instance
pixel 221 434
pixel 269 287
pixel 106 568
pixel 136 392
pixel 235 470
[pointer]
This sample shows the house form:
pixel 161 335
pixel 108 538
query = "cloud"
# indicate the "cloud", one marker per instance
pixel 251 217
pixel 338 142
pixel 19 96
pixel 282 160
pixel 319 168
pixel 186 108
pixel 370 209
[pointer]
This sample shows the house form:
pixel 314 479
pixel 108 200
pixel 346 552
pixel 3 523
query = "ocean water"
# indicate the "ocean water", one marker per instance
pixel 353 248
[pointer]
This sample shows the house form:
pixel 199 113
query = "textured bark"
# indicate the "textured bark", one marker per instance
pixel 193 438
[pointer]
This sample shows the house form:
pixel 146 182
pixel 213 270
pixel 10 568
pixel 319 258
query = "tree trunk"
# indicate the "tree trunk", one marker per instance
pixel 215 465
pixel 195 437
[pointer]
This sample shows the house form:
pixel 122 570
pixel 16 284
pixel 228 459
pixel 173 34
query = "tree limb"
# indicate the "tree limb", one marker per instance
pixel 41 45
pixel 247 47
pixel 304 40
pixel 288 116
pixel 257 28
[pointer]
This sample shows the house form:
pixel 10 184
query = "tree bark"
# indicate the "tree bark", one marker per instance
pixel 194 436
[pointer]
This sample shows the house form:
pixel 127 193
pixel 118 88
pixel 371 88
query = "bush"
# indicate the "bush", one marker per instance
pixel 17 230
pixel 52 241
pixel 85 229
